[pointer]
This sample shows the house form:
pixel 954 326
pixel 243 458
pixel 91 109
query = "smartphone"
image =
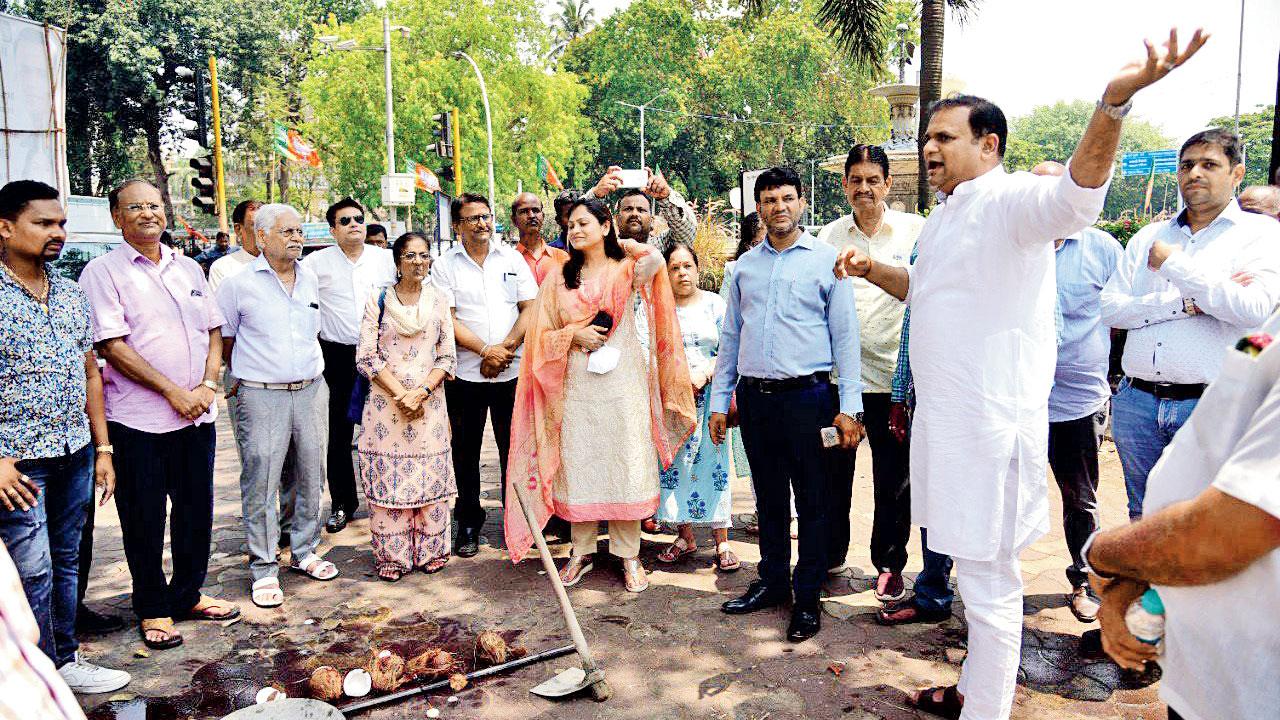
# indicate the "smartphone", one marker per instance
pixel 604 320
pixel 634 178
pixel 830 437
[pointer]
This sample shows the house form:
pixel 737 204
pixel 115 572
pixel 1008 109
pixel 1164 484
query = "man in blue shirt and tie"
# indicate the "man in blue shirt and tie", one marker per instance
pixel 789 323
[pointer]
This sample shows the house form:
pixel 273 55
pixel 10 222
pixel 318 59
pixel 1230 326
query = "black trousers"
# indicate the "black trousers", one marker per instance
pixel 781 432
pixel 340 376
pixel 891 482
pixel 1073 455
pixel 86 553
pixel 469 404
pixel 153 469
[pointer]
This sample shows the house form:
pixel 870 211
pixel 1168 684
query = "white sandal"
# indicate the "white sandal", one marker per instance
pixel 316 568
pixel 266 593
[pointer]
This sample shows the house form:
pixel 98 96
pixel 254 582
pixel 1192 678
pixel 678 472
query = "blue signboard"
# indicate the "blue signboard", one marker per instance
pixel 316 231
pixel 1161 162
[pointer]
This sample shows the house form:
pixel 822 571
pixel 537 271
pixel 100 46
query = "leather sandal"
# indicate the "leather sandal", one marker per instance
pixel 211 609
pixel 726 560
pixel 949 706
pixel 681 548
pixel 633 575
pixel 574 570
pixel 172 638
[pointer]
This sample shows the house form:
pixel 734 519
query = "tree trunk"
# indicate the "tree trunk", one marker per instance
pixel 284 181
pixel 933 18
pixel 155 157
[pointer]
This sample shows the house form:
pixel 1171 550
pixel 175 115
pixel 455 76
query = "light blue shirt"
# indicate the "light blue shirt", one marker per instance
pixel 1084 265
pixel 276 333
pixel 788 317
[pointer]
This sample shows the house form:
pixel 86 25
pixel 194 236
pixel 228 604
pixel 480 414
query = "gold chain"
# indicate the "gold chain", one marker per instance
pixel 41 297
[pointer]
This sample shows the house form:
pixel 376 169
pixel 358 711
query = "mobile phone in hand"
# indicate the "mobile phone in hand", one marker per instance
pixel 633 178
pixel 830 436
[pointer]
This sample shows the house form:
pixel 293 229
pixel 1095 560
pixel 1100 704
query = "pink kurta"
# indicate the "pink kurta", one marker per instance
pixel 406 463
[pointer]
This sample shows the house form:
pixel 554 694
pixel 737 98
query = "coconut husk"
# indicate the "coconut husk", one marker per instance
pixel 491 648
pixel 387 670
pixel 326 683
pixel 431 663
pixel 515 652
pixel 457 681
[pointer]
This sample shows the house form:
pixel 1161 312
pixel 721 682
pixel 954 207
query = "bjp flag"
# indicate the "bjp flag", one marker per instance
pixel 291 145
pixel 423 178
pixel 548 173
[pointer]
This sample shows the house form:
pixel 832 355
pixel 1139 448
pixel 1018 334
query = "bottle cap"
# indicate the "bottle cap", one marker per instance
pixel 1152 603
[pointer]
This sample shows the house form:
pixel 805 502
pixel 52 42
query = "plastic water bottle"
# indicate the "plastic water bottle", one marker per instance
pixel 1145 618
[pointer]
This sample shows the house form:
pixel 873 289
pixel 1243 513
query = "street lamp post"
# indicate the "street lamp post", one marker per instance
pixel 488 124
pixel 642 109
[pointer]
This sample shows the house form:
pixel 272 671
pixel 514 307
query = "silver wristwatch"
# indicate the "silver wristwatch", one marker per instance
pixel 1115 112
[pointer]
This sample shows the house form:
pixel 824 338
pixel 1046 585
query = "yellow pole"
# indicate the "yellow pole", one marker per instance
pixel 217 146
pixel 457 152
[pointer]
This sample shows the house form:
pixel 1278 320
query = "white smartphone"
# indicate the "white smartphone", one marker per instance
pixel 634 178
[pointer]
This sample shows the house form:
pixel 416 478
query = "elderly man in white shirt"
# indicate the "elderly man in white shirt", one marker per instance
pixel 1210 545
pixel 1184 289
pixel 983 352
pixel 490 289
pixel 888 237
pixel 348 272
pixel 272 315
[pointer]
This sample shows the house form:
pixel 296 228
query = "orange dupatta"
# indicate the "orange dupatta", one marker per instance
pixel 558 312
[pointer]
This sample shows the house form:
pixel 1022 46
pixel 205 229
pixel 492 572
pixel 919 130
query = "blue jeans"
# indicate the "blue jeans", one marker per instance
pixel 1142 426
pixel 932 590
pixel 44 543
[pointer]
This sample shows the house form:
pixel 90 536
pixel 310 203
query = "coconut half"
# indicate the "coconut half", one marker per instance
pixel 267 694
pixel 357 683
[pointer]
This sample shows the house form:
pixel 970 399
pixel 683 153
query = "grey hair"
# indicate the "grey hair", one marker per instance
pixel 268 215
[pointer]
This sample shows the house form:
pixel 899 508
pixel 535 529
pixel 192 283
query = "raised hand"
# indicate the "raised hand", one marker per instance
pixel 852 262
pixel 1158 63
pixel 609 182
pixel 658 189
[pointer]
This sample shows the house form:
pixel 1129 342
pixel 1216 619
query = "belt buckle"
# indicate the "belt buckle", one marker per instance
pixel 296 386
pixel 765 387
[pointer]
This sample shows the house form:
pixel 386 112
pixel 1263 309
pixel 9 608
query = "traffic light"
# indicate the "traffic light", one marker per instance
pixel 445 174
pixel 204 183
pixel 193 95
pixel 444 135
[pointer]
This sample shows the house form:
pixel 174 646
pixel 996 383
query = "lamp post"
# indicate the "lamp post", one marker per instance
pixel 334 43
pixel 642 109
pixel 488 124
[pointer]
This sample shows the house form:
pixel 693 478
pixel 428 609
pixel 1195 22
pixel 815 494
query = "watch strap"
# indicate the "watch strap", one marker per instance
pixel 1115 112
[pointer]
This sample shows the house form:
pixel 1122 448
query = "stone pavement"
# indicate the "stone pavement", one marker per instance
pixel 668 652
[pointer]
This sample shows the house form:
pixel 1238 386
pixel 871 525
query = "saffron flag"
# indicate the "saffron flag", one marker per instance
pixel 291 145
pixel 548 173
pixel 192 232
pixel 423 178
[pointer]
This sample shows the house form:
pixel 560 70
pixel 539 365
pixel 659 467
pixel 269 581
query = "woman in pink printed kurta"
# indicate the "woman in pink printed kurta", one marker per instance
pixel 407 350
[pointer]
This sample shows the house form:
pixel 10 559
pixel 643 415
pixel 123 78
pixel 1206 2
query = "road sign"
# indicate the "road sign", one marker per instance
pixel 1161 162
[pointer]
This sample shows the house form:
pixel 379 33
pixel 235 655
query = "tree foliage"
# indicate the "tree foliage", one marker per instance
pixel 1255 133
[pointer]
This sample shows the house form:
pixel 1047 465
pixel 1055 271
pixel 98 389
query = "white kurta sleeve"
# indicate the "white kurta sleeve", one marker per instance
pixel 1043 209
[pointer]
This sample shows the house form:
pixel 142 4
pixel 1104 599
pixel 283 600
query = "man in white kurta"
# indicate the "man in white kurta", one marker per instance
pixel 983 351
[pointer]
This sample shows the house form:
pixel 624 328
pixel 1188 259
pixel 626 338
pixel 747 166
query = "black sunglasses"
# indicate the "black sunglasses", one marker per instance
pixel 345 221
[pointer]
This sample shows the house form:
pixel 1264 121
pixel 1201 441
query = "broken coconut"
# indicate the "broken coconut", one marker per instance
pixel 386 670
pixel 357 683
pixel 433 662
pixel 326 683
pixel 457 681
pixel 267 694
pixel 491 648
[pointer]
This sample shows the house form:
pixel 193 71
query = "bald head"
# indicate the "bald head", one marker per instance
pixel 526 215
pixel 1261 199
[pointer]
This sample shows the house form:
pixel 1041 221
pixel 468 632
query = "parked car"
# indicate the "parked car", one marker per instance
pixel 90 233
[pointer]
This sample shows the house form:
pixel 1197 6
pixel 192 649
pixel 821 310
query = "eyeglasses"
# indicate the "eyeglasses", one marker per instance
pixel 412 256
pixel 477 219
pixel 139 207
pixel 345 221
pixel 290 233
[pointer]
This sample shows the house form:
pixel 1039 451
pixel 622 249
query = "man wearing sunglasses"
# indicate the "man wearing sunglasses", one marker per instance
pixel 349 270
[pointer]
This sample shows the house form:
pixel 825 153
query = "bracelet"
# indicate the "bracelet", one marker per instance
pixel 105 449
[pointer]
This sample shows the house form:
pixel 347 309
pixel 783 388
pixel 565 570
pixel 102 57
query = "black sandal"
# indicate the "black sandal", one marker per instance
pixel 949 707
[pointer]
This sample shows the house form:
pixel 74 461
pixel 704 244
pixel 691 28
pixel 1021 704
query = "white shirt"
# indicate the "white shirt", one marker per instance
pixel 228 265
pixel 879 313
pixel 1222 641
pixel 983 350
pixel 1167 345
pixel 275 332
pixel 345 287
pixel 485 300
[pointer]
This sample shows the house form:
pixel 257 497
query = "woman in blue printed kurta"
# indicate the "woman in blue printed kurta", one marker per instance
pixel 695 490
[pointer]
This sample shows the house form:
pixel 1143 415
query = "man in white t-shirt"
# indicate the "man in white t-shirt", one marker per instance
pixel 1209 542
pixel 490 290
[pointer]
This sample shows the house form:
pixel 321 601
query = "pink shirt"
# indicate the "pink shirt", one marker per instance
pixel 164 312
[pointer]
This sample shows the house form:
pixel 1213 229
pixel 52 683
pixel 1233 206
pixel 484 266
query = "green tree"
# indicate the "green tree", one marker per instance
pixel 533 111
pixel 1051 132
pixel 1255 133
pixel 575 19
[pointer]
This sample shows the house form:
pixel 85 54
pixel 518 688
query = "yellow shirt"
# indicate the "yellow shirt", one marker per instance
pixel 879 313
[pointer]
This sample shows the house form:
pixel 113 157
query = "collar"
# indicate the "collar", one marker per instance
pixel 969 187
pixel 260 264
pixel 132 255
pixel 804 241
pixel 1231 213
pixel 885 219
pixel 520 248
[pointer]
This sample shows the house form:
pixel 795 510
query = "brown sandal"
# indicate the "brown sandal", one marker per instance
pixel 436 565
pixel 211 609
pixel 172 638
pixel 726 561
pixel 950 706
pixel 677 550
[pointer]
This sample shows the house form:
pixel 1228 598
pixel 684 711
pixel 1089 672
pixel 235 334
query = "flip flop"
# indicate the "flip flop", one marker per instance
pixel 206 609
pixel 164 625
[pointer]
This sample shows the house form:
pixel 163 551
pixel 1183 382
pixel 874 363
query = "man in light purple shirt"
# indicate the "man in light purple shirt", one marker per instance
pixel 157 325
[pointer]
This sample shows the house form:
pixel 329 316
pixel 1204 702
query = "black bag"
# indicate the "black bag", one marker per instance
pixel 360 390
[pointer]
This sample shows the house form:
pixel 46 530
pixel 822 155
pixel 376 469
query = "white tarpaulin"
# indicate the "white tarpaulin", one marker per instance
pixel 33 72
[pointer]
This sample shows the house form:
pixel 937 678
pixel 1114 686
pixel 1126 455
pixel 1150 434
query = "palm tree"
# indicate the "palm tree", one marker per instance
pixel 575 19
pixel 858 27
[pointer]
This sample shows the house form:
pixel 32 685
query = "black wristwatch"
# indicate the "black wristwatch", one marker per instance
pixel 857 417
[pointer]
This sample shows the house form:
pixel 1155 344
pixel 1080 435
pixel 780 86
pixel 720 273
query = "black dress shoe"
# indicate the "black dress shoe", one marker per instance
pixel 89 622
pixel 468 543
pixel 805 623
pixel 757 597
pixel 337 521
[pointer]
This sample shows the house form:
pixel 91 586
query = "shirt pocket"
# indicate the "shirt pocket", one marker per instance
pixel 800 301
pixel 510 287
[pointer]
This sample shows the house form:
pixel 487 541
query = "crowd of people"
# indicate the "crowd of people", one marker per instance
pixel 970 349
